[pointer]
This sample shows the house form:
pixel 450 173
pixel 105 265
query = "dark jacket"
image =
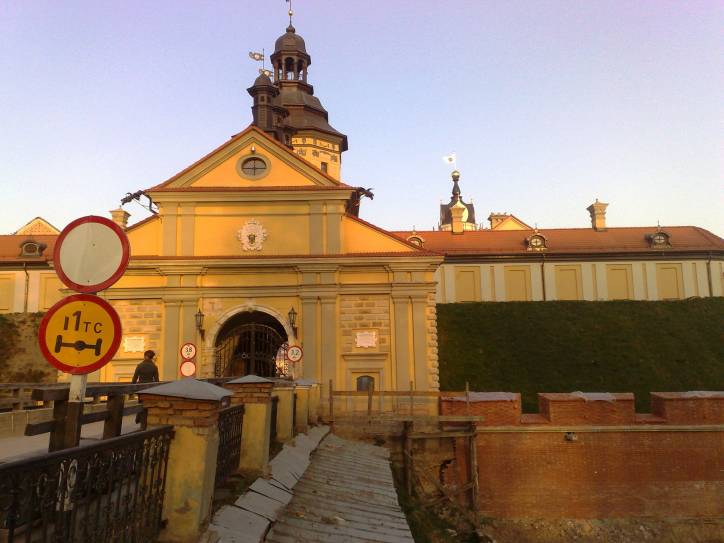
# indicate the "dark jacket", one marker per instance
pixel 146 372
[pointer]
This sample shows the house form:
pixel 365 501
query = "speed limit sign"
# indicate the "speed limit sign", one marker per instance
pixel 294 353
pixel 188 351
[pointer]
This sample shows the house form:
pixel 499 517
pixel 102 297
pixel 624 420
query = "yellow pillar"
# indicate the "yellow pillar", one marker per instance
pixel 302 423
pixel 192 407
pixel 285 412
pixel 255 393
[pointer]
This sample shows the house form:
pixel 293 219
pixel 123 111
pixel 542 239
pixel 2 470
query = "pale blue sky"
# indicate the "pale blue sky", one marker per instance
pixel 548 104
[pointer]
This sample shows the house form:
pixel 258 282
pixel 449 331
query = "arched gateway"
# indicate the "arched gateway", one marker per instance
pixel 251 342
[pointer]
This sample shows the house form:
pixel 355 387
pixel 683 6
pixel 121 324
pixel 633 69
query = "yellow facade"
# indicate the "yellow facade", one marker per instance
pixel 344 278
pixel 592 280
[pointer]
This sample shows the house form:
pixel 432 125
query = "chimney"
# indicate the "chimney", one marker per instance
pixel 598 215
pixel 457 211
pixel 120 217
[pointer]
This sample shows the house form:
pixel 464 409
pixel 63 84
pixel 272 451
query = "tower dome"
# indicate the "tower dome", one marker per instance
pixel 290 41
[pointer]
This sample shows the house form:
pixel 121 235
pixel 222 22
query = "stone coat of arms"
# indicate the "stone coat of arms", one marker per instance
pixel 252 235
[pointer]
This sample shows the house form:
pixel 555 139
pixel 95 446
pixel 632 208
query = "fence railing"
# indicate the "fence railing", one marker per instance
pixel 109 491
pixel 230 424
pixel 385 402
pixel 65 429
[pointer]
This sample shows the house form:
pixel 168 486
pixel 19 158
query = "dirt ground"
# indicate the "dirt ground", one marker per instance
pixel 603 531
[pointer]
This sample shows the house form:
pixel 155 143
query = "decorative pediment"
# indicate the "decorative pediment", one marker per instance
pixel 249 160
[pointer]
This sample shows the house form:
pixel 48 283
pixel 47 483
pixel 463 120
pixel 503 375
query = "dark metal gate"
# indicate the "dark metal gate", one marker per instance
pixel 229 452
pixel 248 349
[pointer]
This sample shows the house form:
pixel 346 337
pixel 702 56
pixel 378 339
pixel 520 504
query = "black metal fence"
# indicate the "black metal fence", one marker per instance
pixel 105 492
pixel 230 423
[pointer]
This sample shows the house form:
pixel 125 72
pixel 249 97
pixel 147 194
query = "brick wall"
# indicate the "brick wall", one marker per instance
pixel 140 318
pixel 565 463
pixel 365 313
pixel 682 407
pixel 197 414
pixel 244 393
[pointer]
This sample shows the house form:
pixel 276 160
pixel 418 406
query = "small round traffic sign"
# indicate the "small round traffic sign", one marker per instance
pixel 294 353
pixel 80 334
pixel 91 254
pixel 188 351
pixel 188 368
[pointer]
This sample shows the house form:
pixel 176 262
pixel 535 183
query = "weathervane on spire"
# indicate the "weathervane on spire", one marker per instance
pixel 260 57
pixel 452 158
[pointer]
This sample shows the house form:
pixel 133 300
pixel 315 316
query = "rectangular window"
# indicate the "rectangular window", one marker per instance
pixel 669 281
pixel 568 283
pixel 620 281
pixel 50 287
pixel 6 293
pixel 324 167
pixel 517 283
pixel 467 284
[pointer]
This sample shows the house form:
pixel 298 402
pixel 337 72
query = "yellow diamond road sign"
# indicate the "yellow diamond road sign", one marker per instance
pixel 80 334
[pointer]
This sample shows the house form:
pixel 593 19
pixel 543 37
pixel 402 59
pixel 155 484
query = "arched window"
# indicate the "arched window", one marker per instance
pixel 289 69
pixel 365 382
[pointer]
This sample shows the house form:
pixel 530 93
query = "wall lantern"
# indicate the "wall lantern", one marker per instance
pixel 293 320
pixel 200 322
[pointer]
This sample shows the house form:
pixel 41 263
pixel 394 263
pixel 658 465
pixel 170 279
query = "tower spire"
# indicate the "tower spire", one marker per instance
pixel 291 13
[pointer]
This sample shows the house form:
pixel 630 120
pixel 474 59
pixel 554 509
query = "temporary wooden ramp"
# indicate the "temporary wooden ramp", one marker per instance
pixel 346 495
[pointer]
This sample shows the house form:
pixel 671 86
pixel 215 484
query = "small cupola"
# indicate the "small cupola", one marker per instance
pixel 457 216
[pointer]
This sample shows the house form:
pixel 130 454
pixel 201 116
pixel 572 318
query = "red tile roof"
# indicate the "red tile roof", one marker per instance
pixel 568 240
pixel 10 248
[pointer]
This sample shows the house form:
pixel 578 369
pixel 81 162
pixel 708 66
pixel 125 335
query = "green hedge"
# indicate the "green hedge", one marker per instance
pixel 621 346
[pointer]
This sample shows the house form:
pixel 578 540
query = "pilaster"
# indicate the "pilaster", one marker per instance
pixel 402 342
pixel 419 306
pixel 171 317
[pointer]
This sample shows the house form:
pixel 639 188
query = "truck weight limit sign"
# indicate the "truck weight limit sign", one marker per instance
pixel 80 334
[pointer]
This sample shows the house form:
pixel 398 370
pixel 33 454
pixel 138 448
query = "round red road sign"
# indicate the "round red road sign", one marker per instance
pixel 80 334
pixel 188 351
pixel 294 353
pixel 91 254
pixel 188 368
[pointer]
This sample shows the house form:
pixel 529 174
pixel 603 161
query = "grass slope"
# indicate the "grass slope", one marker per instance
pixel 620 346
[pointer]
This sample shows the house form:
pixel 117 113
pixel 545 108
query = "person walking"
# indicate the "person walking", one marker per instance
pixel 146 371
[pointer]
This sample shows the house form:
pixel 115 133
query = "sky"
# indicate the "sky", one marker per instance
pixel 547 104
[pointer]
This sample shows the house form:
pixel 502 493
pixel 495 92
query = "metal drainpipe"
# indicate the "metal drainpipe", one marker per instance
pixel 708 275
pixel 27 287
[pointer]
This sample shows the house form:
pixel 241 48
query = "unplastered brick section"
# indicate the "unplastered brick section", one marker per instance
pixel 365 313
pixel 141 318
pixel 245 393
pixel 197 414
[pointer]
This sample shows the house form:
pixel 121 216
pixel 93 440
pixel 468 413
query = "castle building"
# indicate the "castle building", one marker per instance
pixel 510 261
pixel 258 246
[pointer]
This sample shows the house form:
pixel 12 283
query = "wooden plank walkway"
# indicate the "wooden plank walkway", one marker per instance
pixel 346 495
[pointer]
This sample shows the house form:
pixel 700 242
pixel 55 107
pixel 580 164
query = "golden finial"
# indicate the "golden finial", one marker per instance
pixel 290 12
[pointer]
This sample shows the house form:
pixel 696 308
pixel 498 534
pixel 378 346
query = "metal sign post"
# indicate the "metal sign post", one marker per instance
pixel 82 332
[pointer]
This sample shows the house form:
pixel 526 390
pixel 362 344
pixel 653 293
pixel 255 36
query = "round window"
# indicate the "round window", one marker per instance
pixel 253 167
